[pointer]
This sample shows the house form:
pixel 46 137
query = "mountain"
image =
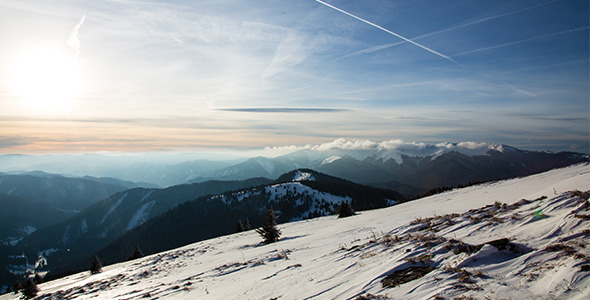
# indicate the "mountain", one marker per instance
pixel 412 171
pixel 33 200
pixel 169 175
pixel 149 169
pixel 126 183
pixel 20 217
pixel 392 164
pixel 101 223
pixel 129 216
pixel 297 195
pixel 522 238
pixel 65 193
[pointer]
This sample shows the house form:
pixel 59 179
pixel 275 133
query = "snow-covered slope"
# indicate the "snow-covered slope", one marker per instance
pixel 523 238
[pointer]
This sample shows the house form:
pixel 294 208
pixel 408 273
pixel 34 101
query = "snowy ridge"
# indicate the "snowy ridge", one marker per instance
pixel 322 203
pixel 389 149
pixel 516 239
pixel 318 203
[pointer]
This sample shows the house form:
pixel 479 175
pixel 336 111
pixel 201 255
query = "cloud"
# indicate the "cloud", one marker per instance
pixel 283 110
pixel 73 40
pixel 546 118
pixel 394 148
pixel 393 144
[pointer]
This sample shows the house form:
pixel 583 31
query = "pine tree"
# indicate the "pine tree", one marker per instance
pixel 239 226
pixel 96 266
pixel 136 254
pixel 247 225
pixel 269 231
pixel 29 289
pixel 345 210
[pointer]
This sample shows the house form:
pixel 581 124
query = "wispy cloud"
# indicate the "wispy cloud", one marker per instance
pixel 73 40
pixel 283 110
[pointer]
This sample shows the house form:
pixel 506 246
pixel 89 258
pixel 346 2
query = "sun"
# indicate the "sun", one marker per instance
pixel 46 78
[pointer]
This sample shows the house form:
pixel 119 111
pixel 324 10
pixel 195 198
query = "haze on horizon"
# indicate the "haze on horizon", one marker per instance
pixel 150 76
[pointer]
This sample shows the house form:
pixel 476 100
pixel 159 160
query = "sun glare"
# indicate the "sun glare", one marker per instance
pixel 46 79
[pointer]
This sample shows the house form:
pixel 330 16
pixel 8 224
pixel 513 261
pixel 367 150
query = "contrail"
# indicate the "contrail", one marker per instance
pixel 521 41
pixel 73 40
pixel 484 19
pixel 377 48
pixel 388 31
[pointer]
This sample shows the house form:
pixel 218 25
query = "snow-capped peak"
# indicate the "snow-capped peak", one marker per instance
pixel 301 176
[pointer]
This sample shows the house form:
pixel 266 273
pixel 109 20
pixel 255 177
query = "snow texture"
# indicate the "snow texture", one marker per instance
pixel 83 226
pixel 330 160
pixel 147 195
pixel 266 165
pixel 301 176
pixel 523 238
pixel 113 207
pixel 141 215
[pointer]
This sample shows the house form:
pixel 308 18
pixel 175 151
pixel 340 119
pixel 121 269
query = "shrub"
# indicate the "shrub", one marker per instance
pixel 345 210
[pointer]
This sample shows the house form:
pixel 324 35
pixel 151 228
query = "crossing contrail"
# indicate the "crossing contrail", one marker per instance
pixel 377 48
pixel 521 41
pixel 484 19
pixel 388 31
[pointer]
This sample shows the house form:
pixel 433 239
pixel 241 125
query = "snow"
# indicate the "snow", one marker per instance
pixel 141 215
pixel 266 165
pixel 301 176
pixel 330 160
pixel 83 226
pixel 106 231
pixel 456 233
pixel 395 149
pixel 23 231
pixel 66 237
pixel 113 207
pixel 147 195
pixel 391 202
pixel 28 229
pixel 48 252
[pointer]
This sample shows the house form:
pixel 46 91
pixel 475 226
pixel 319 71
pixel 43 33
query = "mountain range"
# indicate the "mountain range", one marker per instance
pixel 111 216
pixel 147 217
pixel 409 168
pixel 515 239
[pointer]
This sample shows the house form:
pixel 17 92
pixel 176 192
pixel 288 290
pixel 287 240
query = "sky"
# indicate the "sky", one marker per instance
pixel 145 76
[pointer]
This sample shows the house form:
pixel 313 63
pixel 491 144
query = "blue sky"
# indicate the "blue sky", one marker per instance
pixel 87 76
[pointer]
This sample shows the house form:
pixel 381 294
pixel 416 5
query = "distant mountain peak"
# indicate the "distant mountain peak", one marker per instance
pixel 301 175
